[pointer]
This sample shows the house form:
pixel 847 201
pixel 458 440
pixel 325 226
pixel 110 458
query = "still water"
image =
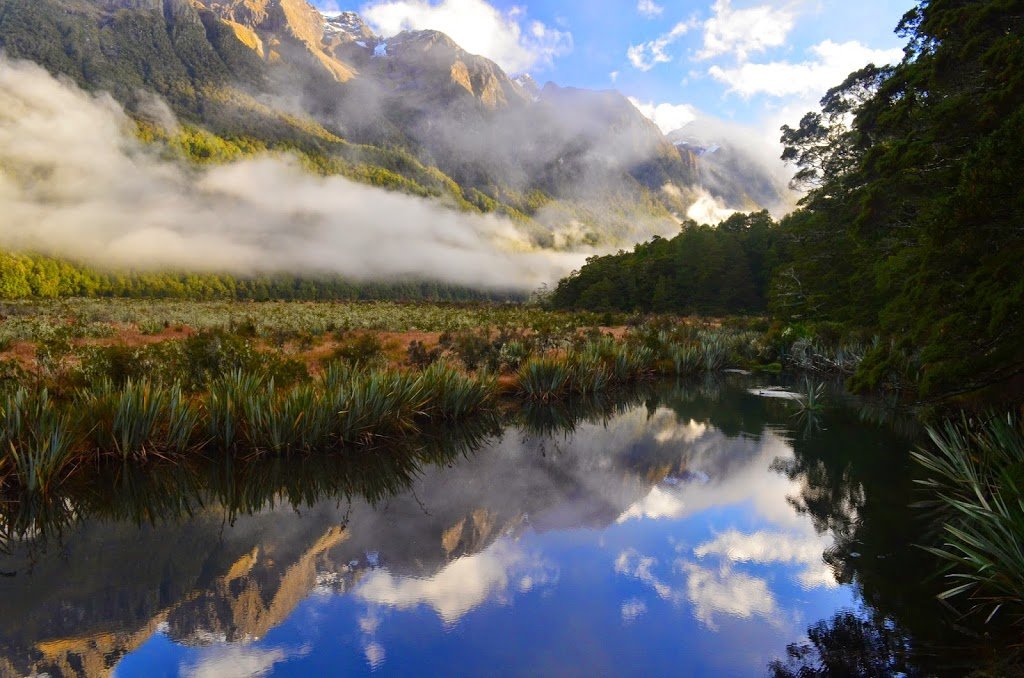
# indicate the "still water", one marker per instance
pixel 694 530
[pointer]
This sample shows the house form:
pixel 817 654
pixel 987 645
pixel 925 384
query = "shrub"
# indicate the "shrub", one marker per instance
pixel 364 349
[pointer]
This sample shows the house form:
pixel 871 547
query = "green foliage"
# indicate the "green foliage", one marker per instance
pixel 976 476
pixel 704 270
pixel 913 224
pixel 34 276
pixel 544 378
pixel 361 350
pixel 36 441
pixel 139 419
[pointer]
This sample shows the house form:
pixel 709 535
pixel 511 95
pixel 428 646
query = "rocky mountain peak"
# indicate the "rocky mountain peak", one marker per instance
pixel 347 26
pixel 528 85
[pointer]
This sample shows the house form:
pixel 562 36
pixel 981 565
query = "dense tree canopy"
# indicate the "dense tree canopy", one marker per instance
pixel 912 227
pixel 29 275
pixel 704 269
pixel 915 220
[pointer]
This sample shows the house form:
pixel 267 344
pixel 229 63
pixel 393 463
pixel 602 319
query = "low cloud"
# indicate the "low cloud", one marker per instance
pixel 507 38
pixel 76 183
pixel 668 117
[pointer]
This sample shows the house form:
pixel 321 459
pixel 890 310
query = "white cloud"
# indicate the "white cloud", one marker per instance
pixel 477 26
pixel 647 55
pixel 708 209
pixel 613 76
pixel 668 117
pixel 649 8
pixel 830 64
pixel 744 31
pixel 714 593
pixel 775 547
pixel 375 654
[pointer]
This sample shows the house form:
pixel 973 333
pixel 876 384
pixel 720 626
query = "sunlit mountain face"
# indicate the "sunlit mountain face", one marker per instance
pixel 634 537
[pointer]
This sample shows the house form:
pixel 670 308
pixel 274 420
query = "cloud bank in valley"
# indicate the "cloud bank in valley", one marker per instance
pixel 75 182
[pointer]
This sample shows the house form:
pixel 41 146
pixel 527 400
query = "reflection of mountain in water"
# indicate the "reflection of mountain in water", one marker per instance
pixel 209 577
pixel 441 531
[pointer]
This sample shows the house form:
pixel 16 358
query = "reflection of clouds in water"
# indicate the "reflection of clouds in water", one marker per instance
pixel 775 547
pixel 662 502
pixel 238 661
pixel 711 593
pixel 375 654
pixel 462 585
pixel 737 472
pixel 632 564
pixel 724 591
pixel 458 588
pixel 632 610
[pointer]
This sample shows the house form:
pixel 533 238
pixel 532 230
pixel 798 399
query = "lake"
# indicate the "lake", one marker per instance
pixel 691 529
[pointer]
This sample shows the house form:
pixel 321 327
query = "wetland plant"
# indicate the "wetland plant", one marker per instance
pixel 976 479
pixel 36 441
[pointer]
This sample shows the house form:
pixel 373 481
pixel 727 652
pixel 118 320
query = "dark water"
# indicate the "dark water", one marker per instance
pixel 693 530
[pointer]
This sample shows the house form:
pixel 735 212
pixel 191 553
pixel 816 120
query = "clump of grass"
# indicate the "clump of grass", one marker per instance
pixel 544 378
pixel 976 471
pixel 372 405
pixel 36 441
pixel 140 419
pixel 228 405
pixel 452 395
pixel 714 352
pixel 589 373
pixel 687 360
pixel 811 398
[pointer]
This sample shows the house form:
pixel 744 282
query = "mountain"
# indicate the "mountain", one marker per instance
pixel 733 168
pixel 414 112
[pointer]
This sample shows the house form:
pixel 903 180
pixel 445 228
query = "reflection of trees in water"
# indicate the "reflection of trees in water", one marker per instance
pixel 847 645
pixel 856 483
pixel 164 492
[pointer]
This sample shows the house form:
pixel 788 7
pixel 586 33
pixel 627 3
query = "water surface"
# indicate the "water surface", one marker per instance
pixel 694 530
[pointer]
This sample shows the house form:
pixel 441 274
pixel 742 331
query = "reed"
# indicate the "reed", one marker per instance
pixel 229 405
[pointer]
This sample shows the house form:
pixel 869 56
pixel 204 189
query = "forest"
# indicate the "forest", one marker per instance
pixel 912 226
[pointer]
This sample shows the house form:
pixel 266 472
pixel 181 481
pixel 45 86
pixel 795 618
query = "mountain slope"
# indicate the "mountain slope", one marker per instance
pixel 414 112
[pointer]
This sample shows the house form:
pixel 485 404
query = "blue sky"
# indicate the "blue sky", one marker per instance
pixel 755 62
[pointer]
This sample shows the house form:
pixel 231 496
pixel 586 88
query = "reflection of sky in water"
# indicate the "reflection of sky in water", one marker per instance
pixel 695 563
